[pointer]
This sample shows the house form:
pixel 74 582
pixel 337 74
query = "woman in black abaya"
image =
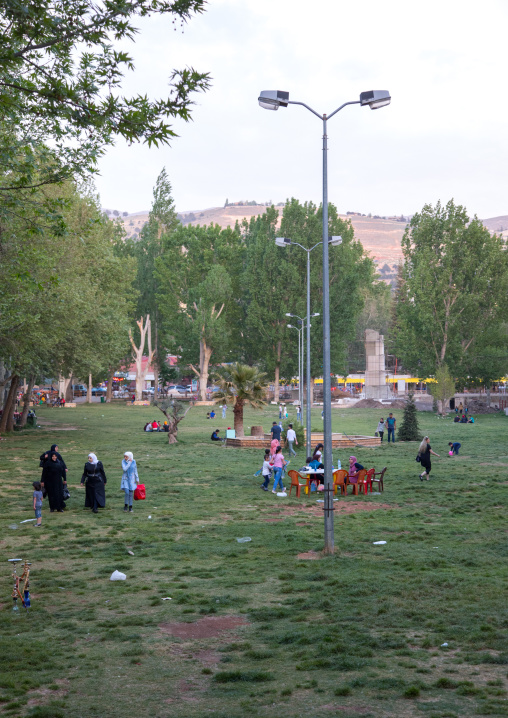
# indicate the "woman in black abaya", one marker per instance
pixel 53 474
pixel 94 480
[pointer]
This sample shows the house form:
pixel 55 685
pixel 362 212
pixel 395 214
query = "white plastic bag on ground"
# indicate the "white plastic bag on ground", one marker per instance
pixel 118 576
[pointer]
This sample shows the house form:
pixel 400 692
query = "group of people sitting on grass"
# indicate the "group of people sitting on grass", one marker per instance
pixel 463 419
pixel 156 426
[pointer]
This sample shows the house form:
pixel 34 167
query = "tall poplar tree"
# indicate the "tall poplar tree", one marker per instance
pixel 162 221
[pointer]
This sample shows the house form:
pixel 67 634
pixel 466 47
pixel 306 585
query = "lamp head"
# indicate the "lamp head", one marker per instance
pixel 375 98
pixel 290 326
pixel 282 241
pixel 334 241
pixel 273 99
pixel 315 315
pixel 288 314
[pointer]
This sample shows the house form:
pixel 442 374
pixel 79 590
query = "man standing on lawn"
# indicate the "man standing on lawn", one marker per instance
pixel 291 437
pixel 391 425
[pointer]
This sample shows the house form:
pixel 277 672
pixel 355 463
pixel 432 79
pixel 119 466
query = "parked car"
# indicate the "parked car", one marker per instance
pixel 177 387
pixel 150 390
pixel 174 391
pixel 79 389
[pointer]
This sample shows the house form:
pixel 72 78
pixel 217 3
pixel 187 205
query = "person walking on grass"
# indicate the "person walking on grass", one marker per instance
pixel 391 425
pixel 37 497
pixel 267 470
pixel 129 479
pixel 291 439
pixel 381 428
pixel 424 452
pixel 94 481
pixel 278 464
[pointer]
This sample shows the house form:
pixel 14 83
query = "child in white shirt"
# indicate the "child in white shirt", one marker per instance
pixel 267 470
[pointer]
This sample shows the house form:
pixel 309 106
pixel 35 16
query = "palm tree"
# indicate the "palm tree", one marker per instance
pixel 241 385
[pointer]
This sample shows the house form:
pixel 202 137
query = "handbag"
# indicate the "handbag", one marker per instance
pixel 66 493
pixel 418 458
pixel 140 492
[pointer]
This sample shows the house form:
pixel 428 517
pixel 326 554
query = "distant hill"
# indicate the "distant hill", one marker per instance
pixel 380 237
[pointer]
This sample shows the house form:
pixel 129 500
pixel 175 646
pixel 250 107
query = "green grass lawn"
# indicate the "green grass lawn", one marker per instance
pixel 252 629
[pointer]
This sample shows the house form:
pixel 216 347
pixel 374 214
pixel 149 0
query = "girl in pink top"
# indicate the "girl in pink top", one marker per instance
pixel 278 464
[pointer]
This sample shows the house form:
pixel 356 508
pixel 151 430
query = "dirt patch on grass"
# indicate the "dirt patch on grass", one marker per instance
pixel 310 555
pixel 341 507
pixel 361 710
pixel 207 627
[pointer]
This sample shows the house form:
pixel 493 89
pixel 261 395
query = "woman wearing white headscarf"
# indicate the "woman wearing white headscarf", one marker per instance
pixel 129 479
pixel 94 479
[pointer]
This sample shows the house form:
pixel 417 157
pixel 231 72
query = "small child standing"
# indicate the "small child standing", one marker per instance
pixel 267 470
pixel 37 496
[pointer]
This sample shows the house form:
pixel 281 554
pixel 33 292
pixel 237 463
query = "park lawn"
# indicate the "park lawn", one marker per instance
pixel 253 630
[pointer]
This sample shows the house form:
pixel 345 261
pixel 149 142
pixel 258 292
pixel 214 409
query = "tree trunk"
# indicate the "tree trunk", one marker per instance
pixel 155 380
pixel 144 329
pixel 109 390
pixel 173 434
pixel 156 366
pixel 276 388
pixel 89 390
pixel 487 391
pixel 311 392
pixel 26 400
pixel 238 417
pixel 205 355
pixel 5 424
pixel 68 393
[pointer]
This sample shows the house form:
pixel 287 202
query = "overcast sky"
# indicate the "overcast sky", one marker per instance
pixel 444 135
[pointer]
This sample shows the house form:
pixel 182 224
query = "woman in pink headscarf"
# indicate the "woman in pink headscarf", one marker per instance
pixel 354 468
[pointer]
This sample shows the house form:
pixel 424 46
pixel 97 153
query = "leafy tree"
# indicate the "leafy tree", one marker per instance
pixel 271 288
pixel 241 385
pixel 489 362
pixel 67 312
pixel 443 388
pixel 60 79
pixel 275 280
pixel 452 291
pixel 162 221
pixel 199 280
pixel 409 429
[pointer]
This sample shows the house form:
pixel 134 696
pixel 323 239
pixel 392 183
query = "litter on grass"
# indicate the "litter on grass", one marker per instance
pixel 149 517
pixel 13 526
pixel 281 493
pixel 131 553
pixel 27 520
pixel 168 598
pixel 118 576
pixel 444 645
pixel 321 501
pixel 245 539
pixel 378 543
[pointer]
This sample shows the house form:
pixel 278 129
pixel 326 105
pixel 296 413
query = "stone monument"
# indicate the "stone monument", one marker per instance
pixel 375 372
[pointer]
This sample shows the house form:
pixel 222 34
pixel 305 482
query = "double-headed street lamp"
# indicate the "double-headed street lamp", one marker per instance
pixel 272 100
pixel 286 242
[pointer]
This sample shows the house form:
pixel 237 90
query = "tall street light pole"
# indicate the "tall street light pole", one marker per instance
pixel 285 242
pixel 272 100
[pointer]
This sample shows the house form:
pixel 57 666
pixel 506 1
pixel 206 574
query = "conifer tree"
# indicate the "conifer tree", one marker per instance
pixel 409 429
